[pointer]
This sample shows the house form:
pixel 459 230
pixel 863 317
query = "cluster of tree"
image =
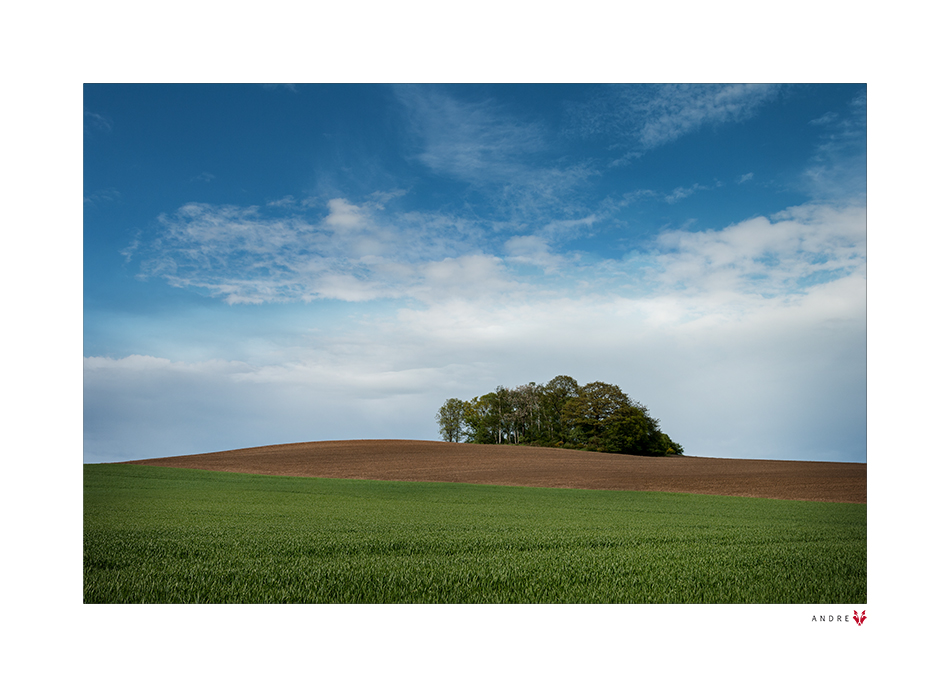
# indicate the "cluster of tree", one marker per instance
pixel 596 416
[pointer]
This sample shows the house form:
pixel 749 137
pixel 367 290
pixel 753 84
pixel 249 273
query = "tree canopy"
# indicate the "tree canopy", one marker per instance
pixel 596 416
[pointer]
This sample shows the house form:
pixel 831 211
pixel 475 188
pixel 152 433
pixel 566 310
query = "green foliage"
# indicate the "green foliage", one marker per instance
pixel 631 430
pixel 166 535
pixel 596 407
pixel 482 422
pixel 450 418
pixel 555 395
pixel 596 416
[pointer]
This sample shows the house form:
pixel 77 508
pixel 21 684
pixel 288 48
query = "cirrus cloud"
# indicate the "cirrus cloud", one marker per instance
pixel 283 253
pixel 651 116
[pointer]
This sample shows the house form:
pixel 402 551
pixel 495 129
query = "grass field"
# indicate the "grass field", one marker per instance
pixel 167 535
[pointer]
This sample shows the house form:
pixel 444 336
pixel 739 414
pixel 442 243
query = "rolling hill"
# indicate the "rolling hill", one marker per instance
pixel 434 461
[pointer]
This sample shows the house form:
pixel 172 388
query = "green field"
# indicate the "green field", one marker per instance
pixel 167 535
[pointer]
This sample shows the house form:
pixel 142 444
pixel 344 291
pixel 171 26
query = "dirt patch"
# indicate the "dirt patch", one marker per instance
pixel 435 461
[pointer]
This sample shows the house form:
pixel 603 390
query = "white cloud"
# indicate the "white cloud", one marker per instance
pixel 355 252
pixel 346 287
pixel 680 193
pixel 653 115
pixel 767 257
pixel 568 228
pixel 286 201
pixel 838 168
pixel 469 277
pixel 532 250
pixel 670 197
pixel 825 119
pixel 678 109
pixel 474 142
pixel 625 159
pixel 344 216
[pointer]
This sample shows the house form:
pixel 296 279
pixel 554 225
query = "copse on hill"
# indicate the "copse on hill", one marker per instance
pixel 596 416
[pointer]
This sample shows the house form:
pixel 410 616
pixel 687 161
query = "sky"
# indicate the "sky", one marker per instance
pixel 301 262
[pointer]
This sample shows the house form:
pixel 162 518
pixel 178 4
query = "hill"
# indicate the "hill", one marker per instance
pixel 434 461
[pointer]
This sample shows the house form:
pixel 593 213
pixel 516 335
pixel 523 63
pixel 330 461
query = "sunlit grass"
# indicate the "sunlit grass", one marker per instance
pixel 166 535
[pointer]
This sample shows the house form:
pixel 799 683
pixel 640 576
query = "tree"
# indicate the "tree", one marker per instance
pixel 588 414
pixel 450 418
pixel 526 412
pixel 554 396
pixel 669 447
pixel 631 430
pixel 503 410
pixel 597 416
pixel 481 420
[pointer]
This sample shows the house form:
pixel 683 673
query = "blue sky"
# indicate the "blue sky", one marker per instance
pixel 278 263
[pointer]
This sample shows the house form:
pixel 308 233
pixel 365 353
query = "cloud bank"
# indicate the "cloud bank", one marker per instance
pixel 717 331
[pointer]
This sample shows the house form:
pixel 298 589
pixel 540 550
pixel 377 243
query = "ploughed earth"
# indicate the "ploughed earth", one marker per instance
pixel 436 461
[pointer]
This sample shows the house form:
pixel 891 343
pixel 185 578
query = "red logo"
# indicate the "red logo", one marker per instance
pixel 859 621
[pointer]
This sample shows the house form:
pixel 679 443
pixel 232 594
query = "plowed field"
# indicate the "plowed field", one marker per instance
pixel 434 461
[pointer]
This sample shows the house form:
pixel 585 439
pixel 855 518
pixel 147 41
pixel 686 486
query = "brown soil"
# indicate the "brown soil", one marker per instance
pixel 434 461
